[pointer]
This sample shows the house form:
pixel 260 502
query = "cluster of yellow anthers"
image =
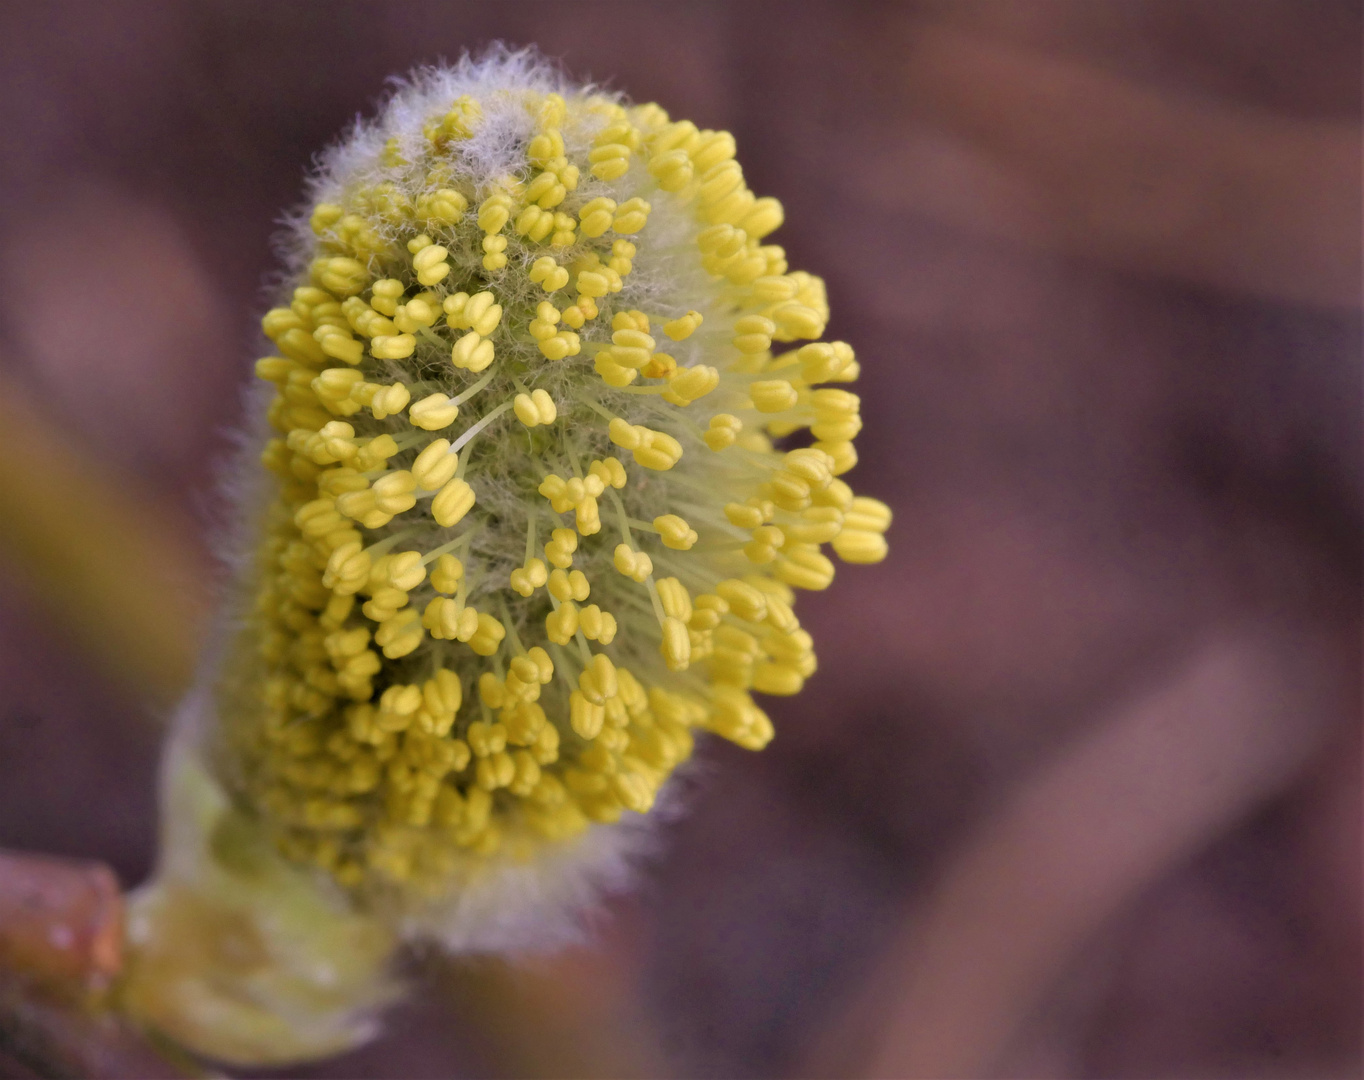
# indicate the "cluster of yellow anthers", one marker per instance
pixel 519 553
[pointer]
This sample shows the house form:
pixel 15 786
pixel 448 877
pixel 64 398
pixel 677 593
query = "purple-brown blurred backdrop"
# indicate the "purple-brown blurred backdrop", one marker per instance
pixel 1100 264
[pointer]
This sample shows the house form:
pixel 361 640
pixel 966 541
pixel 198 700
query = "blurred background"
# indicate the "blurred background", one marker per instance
pixel 1077 790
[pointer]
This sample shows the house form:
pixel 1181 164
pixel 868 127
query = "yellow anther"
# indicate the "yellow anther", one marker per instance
pixel 435 465
pixel 811 464
pixel 546 191
pixel 609 471
pixel 452 502
pixel 592 283
pixel 721 242
pixel 339 344
pixel 568 585
pixel 674 597
pixel 676 533
pixel 587 516
pixel 789 491
pixel 556 489
pixel 486 739
pixel 393 493
pixel 689 384
pixel 526 579
pixel 860 546
pixel 772 395
pixel 723 431
pixel 599 682
pixel 765 216
pixel 763 548
pixel 386 293
pixel 561 625
pixel 524 669
pixel 494 212
pixel 534 408
pixel 631 348
pixel 841 430
pixel 660 453
pixel 675 644
pixel 804 566
pixel 596 216
pixel 660 366
pixel 719 180
pixel 631 217
pixel 744 600
pixel 534 224
pixel 709 609
pixel 610 162
pixel 753 334
pixel 384 602
pixel 494 248
pixel 336 384
pixel 635 565
pixel 680 135
pixel 564 234
pixel 559 345
pixel 548 273
pixel 480 312
pixel 627 436
pixel 861 540
pixel 563 543
pixel 445 206
pixel 545 321
pixel 682 328
pixel 488 636
pixel 389 400
pixel 376 452
pixel 622 257
pixel 545 147
pixel 275 369
pixel 584 716
pixel 710 148
pixel 433 412
pixel 472 352
pixel 430 265
pixel 795 320
pixel 870 515
pixel 597 625
pixel 773 289
pixel 365 320
pixel 447 621
pixel 324 216
pixel 347 570
pixel 400 634
pixel 459 123
pixel 777 679
pixel 612 373
pixel 403 570
pixel 447 573
pixel 672 169
pixel 339 275
pixel 630 320
pixel 393 347
pixel 400 701
pixel 818 525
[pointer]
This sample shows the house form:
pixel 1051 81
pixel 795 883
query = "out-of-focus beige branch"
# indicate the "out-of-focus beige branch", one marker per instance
pixel 1053 152
pixel 1138 794
pixel 113 566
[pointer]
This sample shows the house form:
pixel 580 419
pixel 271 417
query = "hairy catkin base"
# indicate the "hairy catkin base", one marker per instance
pixel 527 529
